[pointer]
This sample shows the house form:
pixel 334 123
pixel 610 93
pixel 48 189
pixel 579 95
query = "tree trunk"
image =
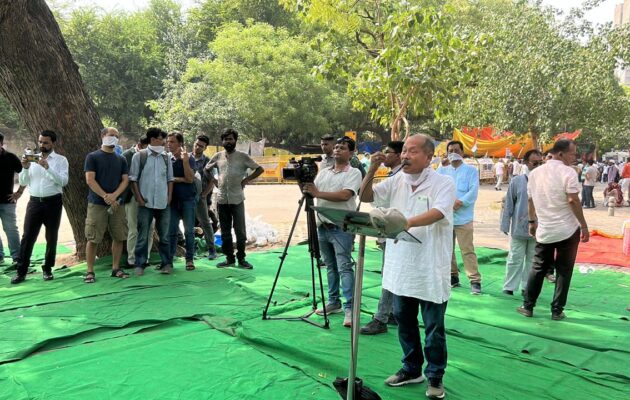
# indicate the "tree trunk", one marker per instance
pixel 535 138
pixel 42 83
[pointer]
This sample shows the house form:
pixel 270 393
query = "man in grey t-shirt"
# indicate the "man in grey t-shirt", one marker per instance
pixel 232 166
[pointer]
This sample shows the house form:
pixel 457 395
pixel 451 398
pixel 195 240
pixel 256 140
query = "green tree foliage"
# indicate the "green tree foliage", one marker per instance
pixel 120 60
pixel 8 117
pixel 542 75
pixel 400 59
pixel 206 19
pixel 260 81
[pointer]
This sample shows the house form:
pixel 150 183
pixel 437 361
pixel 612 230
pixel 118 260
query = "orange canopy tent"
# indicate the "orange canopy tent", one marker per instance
pixel 486 142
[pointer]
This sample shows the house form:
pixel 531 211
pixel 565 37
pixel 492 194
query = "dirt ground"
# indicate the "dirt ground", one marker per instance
pixel 277 205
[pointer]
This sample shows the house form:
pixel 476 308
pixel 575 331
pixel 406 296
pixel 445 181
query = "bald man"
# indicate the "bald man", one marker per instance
pixel 106 173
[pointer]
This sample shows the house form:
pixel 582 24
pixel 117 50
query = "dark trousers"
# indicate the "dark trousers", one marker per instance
pixel 406 314
pixel 560 255
pixel 40 211
pixel 588 200
pixel 232 215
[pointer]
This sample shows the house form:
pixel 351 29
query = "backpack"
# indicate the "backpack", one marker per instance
pixel 144 155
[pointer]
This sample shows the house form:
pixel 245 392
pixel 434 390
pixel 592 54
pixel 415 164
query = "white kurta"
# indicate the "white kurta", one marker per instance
pixel 411 269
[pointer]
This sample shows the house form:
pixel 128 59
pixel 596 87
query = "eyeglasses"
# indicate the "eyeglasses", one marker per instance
pixel 389 152
pixel 536 163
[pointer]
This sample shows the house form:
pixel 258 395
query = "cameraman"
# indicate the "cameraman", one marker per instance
pixel 45 178
pixel 337 187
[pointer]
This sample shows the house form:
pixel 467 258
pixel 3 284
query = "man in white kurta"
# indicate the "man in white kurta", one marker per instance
pixel 417 265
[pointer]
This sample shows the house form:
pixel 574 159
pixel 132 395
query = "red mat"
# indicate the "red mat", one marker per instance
pixel 603 250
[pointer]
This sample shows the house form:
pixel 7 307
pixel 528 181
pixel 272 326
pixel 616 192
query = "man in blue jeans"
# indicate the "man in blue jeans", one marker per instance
pixel 151 177
pixel 337 187
pixel 183 201
pixel 9 166
pixel 417 264
pixel 384 313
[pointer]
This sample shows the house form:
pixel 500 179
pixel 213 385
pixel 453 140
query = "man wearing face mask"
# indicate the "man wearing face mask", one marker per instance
pixel 106 174
pixel 232 166
pixel 151 177
pixel 466 179
pixel 514 215
pixel 45 178
pixel 131 207
pixel 557 221
pixel 417 266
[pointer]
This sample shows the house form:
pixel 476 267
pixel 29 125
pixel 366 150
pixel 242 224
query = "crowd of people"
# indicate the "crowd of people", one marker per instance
pixel 614 174
pixel 150 188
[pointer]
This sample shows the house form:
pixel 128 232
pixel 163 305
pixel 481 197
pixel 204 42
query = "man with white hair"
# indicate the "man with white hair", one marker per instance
pixel 417 266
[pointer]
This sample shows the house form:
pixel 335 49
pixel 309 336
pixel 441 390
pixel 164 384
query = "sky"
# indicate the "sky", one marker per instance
pixel 603 13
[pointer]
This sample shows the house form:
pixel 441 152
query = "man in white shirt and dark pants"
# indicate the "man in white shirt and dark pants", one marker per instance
pixel 45 179
pixel 417 268
pixel 557 222
pixel 337 187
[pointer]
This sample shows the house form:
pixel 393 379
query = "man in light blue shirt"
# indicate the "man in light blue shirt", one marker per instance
pixel 151 177
pixel 466 179
pixel 514 219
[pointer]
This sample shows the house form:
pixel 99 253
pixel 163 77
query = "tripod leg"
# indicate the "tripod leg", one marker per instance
pixel 284 255
pixel 313 244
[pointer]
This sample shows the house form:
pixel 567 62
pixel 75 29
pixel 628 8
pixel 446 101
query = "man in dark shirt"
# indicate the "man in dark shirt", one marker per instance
pixel 106 173
pixel 204 183
pixel 183 203
pixel 9 166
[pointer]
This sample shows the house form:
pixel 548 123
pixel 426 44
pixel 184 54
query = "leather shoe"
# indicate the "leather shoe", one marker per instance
pixel 47 275
pixel 18 279
pixel 524 311
pixel 558 316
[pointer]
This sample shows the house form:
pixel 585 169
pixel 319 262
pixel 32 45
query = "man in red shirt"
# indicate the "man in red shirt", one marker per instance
pixel 625 174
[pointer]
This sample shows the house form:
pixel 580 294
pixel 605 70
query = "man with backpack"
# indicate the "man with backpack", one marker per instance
pixel 131 207
pixel 151 177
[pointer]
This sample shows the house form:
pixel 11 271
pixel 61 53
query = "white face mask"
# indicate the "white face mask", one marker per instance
pixel 416 179
pixel 452 157
pixel 157 149
pixel 110 141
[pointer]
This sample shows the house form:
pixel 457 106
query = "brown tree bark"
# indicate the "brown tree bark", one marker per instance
pixel 42 83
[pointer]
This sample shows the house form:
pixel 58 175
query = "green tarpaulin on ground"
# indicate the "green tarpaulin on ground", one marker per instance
pixel 200 335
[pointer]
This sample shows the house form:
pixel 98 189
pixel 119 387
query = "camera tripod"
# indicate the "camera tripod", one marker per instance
pixel 313 249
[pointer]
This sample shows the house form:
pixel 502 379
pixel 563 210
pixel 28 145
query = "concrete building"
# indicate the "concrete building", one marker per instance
pixel 622 16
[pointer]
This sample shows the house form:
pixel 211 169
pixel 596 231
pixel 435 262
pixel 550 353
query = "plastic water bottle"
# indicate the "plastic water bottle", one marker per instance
pixel 586 270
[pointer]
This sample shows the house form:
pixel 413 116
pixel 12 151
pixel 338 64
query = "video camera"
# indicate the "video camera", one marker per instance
pixel 303 170
pixel 29 156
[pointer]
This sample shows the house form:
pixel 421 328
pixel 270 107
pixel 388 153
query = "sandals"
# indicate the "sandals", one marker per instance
pixel 190 266
pixel 89 278
pixel 119 273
